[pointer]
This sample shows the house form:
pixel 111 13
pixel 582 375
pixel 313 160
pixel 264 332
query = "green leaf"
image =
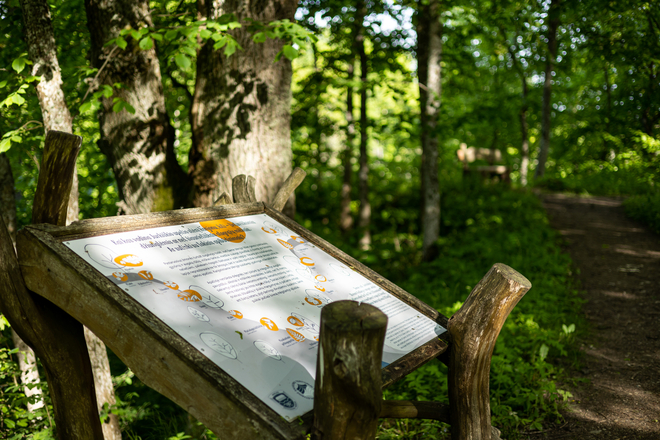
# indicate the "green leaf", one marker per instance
pixel 107 91
pixel 146 43
pixel 17 99
pixel 290 52
pixel 259 37
pixel 119 105
pixel 3 84
pixel 10 423
pixel 121 43
pixel 157 36
pixel 135 34
pixel 182 61
pixel 171 35
pixel 543 351
pixel 129 108
pixel 189 50
pixel 18 64
pixel 5 145
pixel 85 107
pixel 205 34
pixel 231 48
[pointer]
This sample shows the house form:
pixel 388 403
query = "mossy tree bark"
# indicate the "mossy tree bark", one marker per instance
pixel 139 146
pixel 241 107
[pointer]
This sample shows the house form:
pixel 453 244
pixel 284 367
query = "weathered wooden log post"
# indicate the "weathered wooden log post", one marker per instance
pixel 56 337
pixel 348 394
pixel 473 331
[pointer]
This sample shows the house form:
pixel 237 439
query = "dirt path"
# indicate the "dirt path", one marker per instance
pixel 619 270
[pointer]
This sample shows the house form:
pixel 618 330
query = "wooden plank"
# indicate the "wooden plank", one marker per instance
pixel 240 190
pixel 224 199
pixel 124 223
pixel 155 352
pixel 413 360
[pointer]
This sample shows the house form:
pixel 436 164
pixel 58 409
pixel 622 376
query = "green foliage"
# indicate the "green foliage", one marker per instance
pixel 645 208
pixel 484 225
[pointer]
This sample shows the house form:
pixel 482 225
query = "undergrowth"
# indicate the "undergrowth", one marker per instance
pixel 485 225
pixel 646 209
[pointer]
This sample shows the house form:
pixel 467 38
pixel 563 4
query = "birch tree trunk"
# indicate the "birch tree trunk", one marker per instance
pixel 42 51
pixel 139 146
pixel 345 217
pixel 553 24
pixel 364 215
pixel 429 52
pixel 241 121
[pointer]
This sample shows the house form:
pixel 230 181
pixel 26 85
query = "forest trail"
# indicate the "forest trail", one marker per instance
pixel 619 271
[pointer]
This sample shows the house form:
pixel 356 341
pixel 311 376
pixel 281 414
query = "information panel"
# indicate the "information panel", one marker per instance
pixel 248 293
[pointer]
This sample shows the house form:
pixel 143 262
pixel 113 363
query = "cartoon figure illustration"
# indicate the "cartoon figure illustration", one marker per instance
pixel 284 400
pixel 216 343
pixel 102 256
pixel 189 295
pixel 268 350
pixel 313 300
pixel 211 301
pixel 341 269
pixel 128 260
pixel 272 228
pixel 285 244
pixel 236 314
pixel 120 276
pixel 297 336
pixel 199 315
pixel 269 324
pixel 321 278
pixel 171 285
pixel 306 323
pixel 145 274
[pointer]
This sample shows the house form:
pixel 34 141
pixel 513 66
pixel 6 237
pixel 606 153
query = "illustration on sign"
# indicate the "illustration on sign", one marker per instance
pixel 247 293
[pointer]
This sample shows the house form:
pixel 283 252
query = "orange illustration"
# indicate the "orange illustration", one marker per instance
pixel 306 261
pixel 224 229
pixel 316 338
pixel 313 301
pixel 120 276
pixel 128 260
pixel 269 324
pixel 285 244
pixel 298 239
pixel 269 230
pixel 295 321
pixel 189 295
pixel 320 278
pixel 295 335
pixel 322 289
pixel 171 285
pixel 236 314
pixel 146 275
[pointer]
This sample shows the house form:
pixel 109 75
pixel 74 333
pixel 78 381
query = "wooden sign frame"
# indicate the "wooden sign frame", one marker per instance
pixel 159 356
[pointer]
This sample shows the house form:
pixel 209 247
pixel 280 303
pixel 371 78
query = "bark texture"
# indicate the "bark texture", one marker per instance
pixel 553 24
pixel 429 50
pixel 27 362
pixel 348 394
pixel 345 217
pixel 364 214
pixel 139 146
pixel 240 115
pixel 473 331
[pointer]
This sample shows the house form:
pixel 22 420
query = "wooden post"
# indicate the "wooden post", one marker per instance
pixel 288 187
pixel 473 331
pixel 57 338
pixel 348 394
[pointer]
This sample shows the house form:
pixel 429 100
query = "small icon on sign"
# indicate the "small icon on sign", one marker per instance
pixel 284 400
pixel 303 388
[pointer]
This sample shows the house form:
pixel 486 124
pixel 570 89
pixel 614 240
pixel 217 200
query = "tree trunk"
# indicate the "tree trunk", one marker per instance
pixel 345 217
pixel 429 51
pixel 553 24
pixel 364 215
pixel 27 362
pixel 56 116
pixel 240 116
pixel 139 146
pixel 524 148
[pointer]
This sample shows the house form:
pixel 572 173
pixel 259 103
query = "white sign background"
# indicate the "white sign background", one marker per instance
pixel 247 292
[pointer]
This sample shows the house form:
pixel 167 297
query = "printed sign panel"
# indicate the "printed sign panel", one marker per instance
pixel 247 293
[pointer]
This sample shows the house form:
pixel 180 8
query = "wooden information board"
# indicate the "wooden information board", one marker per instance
pixel 218 308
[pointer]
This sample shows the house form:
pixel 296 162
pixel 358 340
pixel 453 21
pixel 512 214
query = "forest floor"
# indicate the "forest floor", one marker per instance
pixel 617 261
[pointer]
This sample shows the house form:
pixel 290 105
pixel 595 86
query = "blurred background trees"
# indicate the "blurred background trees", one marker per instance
pixel 373 98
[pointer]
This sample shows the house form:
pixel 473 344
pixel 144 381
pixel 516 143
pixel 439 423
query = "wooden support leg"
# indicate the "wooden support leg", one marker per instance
pixel 473 331
pixel 57 338
pixel 348 394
